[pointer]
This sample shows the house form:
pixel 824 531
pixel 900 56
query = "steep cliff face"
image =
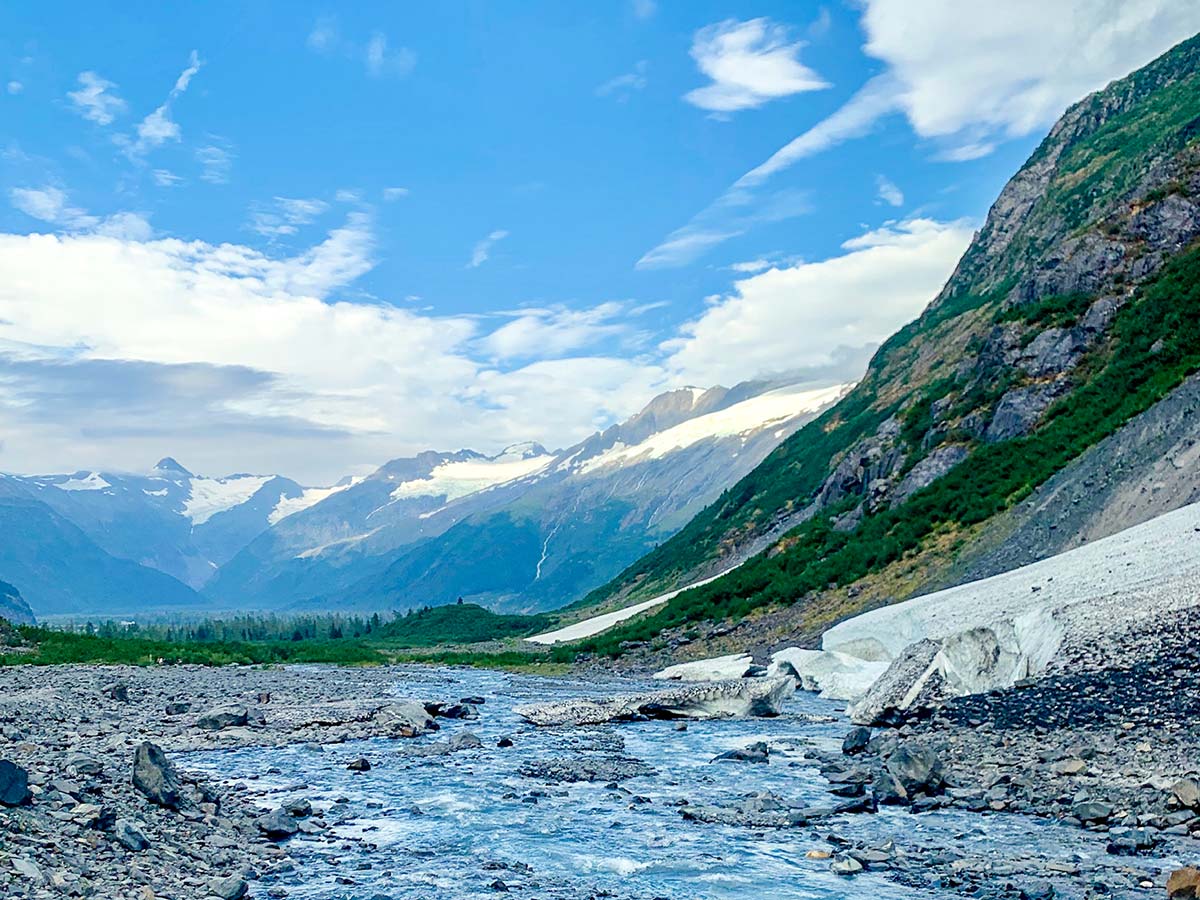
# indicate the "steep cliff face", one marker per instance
pixel 1072 311
pixel 13 608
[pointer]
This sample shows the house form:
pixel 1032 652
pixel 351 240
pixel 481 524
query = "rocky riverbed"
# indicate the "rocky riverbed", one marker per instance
pixel 319 783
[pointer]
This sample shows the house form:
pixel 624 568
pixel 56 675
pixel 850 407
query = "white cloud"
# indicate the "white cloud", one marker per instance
pixel 484 248
pixel 216 162
pixel 287 216
pixel 888 192
pixel 14 87
pixel 750 63
pixel 734 214
pixel 551 332
pixel 623 86
pixel 50 204
pixel 324 35
pixel 382 61
pixel 1004 71
pixel 394 193
pixel 232 342
pixel 95 100
pixel 751 266
pixel 158 127
pixel 643 9
pixel 165 178
pixel 813 314
pixel 966 82
pixel 126 226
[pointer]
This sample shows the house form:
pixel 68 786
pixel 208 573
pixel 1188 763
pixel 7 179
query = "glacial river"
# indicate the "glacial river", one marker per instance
pixel 451 826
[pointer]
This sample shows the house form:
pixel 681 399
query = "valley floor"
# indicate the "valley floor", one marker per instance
pixel 1110 748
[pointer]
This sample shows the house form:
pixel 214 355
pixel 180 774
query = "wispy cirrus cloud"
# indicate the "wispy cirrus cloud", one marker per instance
pixel 483 249
pixel 623 86
pixel 96 100
pixel 159 127
pixel 377 55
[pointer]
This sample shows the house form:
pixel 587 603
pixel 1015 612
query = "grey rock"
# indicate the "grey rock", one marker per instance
pixel 361 764
pixel 298 808
pixel 1020 409
pixel 232 887
pixel 129 834
pixel 929 470
pixel 846 867
pixel 856 741
pixel 155 777
pixel 917 768
pixel 1186 792
pixel 14 784
pixel 1092 811
pixel 757 752
pixel 277 825
pixel 465 740
pixel 223 717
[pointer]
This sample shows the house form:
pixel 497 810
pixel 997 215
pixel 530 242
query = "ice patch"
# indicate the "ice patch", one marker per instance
pixel 91 482
pixel 458 479
pixel 743 418
pixel 288 506
pixel 210 496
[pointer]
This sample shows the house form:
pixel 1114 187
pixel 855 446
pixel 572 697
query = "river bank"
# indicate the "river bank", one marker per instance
pixel 488 802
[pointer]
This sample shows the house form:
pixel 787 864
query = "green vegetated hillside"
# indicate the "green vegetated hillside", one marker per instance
pixel 1076 307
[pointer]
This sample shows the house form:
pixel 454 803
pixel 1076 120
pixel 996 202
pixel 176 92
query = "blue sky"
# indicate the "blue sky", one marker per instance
pixel 349 233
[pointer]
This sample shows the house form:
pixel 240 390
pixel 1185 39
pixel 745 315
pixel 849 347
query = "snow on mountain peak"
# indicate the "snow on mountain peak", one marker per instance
pixel 309 497
pixel 457 479
pixel 209 496
pixel 170 465
pixel 750 415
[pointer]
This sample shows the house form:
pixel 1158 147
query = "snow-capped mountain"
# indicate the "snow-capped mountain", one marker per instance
pixel 167 520
pixel 525 529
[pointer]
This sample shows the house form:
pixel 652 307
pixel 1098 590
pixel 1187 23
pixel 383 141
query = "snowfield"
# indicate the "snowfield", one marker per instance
pixel 740 418
pixel 597 624
pixel 458 479
pixel 210 496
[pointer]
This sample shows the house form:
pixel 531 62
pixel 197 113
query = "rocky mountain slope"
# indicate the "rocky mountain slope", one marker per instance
pixel 13 607
pixel 58 568
pixel 1073 311
pixel 526 530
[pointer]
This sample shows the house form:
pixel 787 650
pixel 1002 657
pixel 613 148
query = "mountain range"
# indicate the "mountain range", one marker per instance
pixel 525 529
pixel 1044 398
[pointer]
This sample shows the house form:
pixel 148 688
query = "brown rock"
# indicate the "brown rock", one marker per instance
pixel 1184 883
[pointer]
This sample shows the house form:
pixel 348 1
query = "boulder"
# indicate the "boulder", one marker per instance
pixel 1092 811
pixel 757 752
pixel 856 740
pixel 155 777
pixel 298 808
pixel 405 718
pixel 361 764
pixel 710 700
pixel 129 834
pixel 118 691
pixel 917 769
pixel 277 825
pixel 465 740
pixel 232 887
pixel 1186 792
pixel 719 668
pixel 846 867
pixel 14 784
pixel 1184 884
pixel 178 708
pixel 223 717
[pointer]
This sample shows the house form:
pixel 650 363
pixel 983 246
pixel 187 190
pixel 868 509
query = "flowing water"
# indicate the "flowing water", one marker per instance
pixel 448 827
